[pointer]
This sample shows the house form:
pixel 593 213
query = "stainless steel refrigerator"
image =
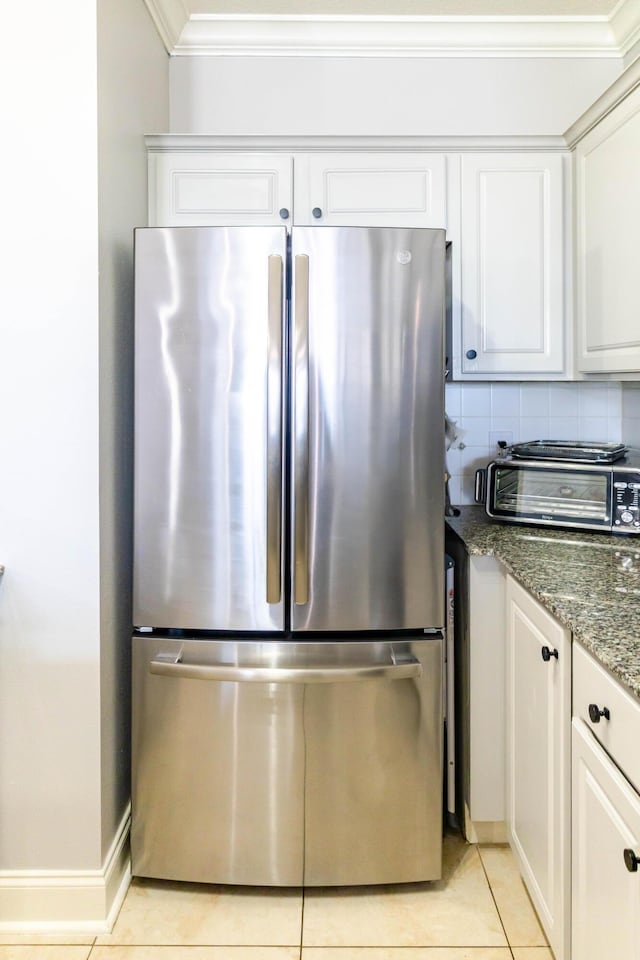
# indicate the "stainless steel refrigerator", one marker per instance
pixel 289 555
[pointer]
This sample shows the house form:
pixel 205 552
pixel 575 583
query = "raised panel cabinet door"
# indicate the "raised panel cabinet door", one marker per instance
pixel 219 189
pixel 606 822
pixel 512 247
pixel 538 758
pixel 608 237
pixel 370 190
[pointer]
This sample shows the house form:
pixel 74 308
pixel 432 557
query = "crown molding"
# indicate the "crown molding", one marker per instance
pixel 170 17
pixel 612 96
pixel 207 143
pixel 185 33
pixel 625 23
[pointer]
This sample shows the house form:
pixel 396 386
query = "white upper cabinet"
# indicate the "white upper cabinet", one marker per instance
pixel 608 240
pixel 503 213
pixel 513 263
pixel 370 189
pixel 211 189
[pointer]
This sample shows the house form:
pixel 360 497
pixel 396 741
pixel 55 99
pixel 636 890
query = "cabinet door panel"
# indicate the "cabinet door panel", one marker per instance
pixel 606 821
pixel 608 236
pixel 370 190
pixel 538 772
pixel 218 189
pixel 512 264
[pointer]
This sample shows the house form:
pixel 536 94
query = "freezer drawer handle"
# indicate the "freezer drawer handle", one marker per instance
pixel 402 670
pixel 301 432
pixel 274 432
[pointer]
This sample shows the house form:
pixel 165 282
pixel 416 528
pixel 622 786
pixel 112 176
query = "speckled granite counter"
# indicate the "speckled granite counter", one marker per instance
pixel 590 582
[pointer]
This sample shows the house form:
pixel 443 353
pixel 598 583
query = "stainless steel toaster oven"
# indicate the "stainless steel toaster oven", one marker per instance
pixel 584 486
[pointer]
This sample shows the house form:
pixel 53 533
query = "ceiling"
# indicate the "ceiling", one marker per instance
pixel 480 28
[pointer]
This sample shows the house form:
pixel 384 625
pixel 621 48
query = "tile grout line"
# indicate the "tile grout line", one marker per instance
pixel 302 924
pixel 495 902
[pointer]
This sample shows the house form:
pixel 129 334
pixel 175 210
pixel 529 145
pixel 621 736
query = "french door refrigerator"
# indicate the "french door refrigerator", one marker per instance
pixel 288 555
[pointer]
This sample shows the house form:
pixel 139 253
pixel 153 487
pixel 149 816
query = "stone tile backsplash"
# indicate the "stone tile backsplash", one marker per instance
pixel 487 412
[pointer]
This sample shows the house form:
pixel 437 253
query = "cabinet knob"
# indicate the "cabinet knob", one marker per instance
pixel 547 653
pixel 595 713
pixel 316 212
pixel 284 213
pixel 471 354
pixel 631 861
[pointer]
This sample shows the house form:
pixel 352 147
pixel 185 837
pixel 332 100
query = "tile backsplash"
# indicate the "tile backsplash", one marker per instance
pixel 631 413
pixel 487 412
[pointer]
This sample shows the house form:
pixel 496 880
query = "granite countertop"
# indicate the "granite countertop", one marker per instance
pixel 589 581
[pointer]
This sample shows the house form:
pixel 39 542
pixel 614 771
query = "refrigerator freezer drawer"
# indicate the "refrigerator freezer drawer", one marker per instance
pixel 287 763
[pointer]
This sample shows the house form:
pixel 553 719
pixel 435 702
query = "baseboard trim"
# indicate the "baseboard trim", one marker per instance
pixel 71 901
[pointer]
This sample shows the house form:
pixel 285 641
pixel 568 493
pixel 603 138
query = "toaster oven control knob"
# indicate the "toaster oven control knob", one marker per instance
pixel 631 861
pixel 626 516
pixel 547 653
pixel 595 713
pixel 471 354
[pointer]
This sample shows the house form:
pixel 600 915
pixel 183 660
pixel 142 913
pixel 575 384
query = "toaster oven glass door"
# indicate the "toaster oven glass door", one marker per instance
pixel 552 494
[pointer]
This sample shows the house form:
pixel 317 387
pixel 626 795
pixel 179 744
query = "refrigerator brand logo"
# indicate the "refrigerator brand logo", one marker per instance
pixel 404 256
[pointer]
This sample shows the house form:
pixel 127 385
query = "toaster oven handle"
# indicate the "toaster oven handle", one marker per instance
pixel 480 490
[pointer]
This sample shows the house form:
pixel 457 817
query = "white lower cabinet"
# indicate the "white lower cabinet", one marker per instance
pixel 606 834
pixel 538 713
pixel 605 814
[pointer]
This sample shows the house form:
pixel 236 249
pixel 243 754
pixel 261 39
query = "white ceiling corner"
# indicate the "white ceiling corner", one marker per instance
pixel 576 28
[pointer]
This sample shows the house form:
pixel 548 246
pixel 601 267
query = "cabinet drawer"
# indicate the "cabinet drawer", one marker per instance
pixel 619 732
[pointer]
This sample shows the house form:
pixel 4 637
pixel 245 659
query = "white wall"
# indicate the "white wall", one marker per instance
pixel 486 412
pixel 49 540
pixel 369 96
pixel 133 98
pixel 62 783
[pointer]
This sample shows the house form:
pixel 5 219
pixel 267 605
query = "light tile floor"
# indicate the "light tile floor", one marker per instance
pixel 479 911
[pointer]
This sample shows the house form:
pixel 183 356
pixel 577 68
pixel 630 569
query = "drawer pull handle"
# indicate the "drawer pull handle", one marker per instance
pixel 595 713
pixel 547 653
pixel 631 861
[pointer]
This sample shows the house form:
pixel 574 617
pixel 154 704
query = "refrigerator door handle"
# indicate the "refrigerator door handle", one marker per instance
pixel 274 432
pixel 406 669
pixel 301 432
